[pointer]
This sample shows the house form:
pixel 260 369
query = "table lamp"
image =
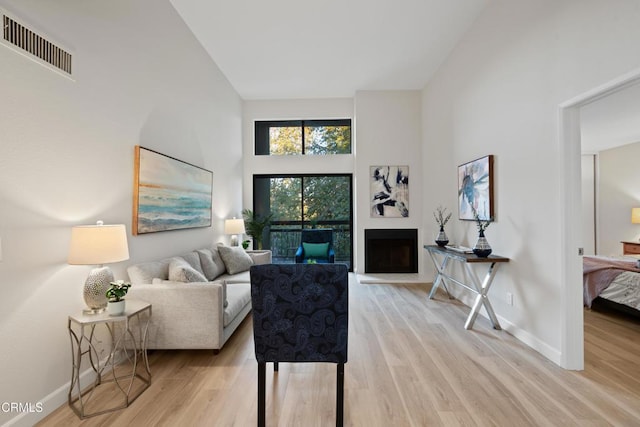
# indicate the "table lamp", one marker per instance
pixel 96 245
pixel 234 227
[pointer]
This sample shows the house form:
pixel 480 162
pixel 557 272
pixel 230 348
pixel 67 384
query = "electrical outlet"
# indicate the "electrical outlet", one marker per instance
pixel 509 298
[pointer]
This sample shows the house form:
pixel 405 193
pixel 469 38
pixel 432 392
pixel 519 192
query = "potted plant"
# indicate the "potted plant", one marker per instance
pixel 255 225
pixel 115 294
pixel 442 217
pixel 482 248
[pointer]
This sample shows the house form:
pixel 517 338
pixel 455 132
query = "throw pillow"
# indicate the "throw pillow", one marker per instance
pixel 315 250
pixel 212 264
pixel 235 259
pixel 260 257
pixel 181 271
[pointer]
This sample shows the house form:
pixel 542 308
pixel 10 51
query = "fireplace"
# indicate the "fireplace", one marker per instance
pixel 391 250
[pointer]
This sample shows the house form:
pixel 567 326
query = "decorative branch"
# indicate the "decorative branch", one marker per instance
pixel 441 216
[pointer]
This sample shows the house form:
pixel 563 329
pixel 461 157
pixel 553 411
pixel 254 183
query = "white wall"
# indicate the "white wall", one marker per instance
pixel 66 158
pixel 498 93
pixel 589 199
pixel 619 191
pixel 388 131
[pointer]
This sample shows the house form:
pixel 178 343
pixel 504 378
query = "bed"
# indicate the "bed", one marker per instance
pixel 614 282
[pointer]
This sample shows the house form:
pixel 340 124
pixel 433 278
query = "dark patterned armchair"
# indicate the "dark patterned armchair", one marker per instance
pixel 300 314
pixel 316 244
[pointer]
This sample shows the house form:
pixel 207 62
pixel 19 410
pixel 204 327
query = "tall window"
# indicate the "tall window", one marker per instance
pixel 305 201
pixel 310 137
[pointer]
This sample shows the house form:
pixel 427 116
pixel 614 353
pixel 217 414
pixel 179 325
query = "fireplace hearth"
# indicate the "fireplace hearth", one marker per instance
pixel 391 250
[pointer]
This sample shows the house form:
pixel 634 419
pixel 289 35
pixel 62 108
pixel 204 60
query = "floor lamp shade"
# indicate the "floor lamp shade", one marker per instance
pixel 96 245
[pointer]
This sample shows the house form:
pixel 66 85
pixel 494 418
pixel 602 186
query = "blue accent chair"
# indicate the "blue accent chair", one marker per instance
pixel 313 238
pixel 300 314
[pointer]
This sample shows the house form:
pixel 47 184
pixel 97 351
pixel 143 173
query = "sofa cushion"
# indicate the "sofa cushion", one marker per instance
pixel 212 264
pixel 145 272
pixel 242 277
pixel 238 295
pixel 193 259
pixel 260 256
pixel 181 271
pixel 235 259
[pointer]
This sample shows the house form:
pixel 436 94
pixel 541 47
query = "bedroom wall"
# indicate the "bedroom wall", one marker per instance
pixel 498 93
pixel 66 158
pixel 618 192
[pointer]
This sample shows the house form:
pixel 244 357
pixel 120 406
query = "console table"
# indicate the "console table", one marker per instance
pixel 481 289
pixel 124 365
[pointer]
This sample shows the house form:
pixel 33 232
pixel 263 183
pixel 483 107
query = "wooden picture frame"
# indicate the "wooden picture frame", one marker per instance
pixel 475 189
pixel 169 194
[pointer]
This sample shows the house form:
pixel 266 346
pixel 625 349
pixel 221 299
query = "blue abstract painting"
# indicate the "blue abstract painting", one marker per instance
pixel 475 189
pixel 170 194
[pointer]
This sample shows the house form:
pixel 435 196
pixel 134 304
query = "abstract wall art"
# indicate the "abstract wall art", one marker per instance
pixel 389 191
pixel 475 189
pixel 169 194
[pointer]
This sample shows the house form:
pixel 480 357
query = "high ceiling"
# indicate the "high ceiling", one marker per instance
pixel 283 49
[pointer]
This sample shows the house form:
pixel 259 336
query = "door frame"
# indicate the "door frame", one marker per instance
pixel 569 166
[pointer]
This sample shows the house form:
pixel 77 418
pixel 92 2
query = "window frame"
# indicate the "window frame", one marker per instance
pixel 262 144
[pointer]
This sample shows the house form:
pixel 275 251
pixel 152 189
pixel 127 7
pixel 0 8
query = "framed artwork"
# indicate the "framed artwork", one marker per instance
pixel 389 189
pixel 475 189
pixel 169 194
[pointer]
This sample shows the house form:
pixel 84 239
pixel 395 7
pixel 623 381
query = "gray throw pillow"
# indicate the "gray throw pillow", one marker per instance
pixel 235 259
pixel 181 271
pixel 212 264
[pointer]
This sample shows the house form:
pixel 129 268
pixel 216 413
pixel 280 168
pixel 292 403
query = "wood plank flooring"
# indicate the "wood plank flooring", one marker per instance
pixel 411 363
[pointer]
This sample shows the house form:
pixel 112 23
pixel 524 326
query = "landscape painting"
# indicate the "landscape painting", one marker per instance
pixel 389 188
pixel 169 194
pixel 475 189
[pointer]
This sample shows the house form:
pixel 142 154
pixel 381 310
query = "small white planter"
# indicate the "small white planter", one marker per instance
pixel 115 308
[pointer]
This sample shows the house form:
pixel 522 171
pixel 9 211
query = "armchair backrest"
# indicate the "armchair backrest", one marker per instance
pixel 300 312
pixel 317 235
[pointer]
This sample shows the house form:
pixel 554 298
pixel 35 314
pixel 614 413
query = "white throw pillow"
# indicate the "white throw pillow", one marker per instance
pixel 181 271
pixel 235 259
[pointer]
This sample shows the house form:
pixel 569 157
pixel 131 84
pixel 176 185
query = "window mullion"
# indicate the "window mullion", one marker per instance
pixel 302 130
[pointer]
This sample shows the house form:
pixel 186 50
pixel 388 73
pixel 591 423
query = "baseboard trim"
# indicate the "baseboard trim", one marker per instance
pixel 50 402
pixel 531 341
pixel 391 278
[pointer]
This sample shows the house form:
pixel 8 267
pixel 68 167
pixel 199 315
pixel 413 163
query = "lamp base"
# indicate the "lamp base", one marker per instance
pixel 233 242
pixel 95 289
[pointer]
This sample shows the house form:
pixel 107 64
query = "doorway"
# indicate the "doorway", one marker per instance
pixel 571 233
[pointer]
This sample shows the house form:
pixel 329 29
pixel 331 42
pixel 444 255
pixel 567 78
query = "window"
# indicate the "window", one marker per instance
pixel 305 201
pixel 310 137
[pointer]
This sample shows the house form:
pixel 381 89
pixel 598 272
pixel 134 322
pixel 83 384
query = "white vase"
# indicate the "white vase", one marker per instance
pixel 115 308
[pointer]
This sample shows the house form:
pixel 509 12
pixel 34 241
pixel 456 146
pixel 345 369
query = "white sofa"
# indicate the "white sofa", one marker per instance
pixel 197 299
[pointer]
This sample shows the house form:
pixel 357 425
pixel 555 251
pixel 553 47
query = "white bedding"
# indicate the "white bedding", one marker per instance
pixel 625 289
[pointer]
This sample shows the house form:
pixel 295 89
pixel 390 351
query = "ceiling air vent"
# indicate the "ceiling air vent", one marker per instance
pixel 18 36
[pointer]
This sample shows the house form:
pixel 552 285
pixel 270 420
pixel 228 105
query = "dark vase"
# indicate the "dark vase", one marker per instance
pixel 442 239
pixel 482 248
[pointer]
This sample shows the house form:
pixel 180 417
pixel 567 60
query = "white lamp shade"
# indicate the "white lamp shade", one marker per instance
pixel 98 244
pixel 635 215
pixel 233 226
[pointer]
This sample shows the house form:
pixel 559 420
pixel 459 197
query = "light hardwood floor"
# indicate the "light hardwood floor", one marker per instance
pixel 411 363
